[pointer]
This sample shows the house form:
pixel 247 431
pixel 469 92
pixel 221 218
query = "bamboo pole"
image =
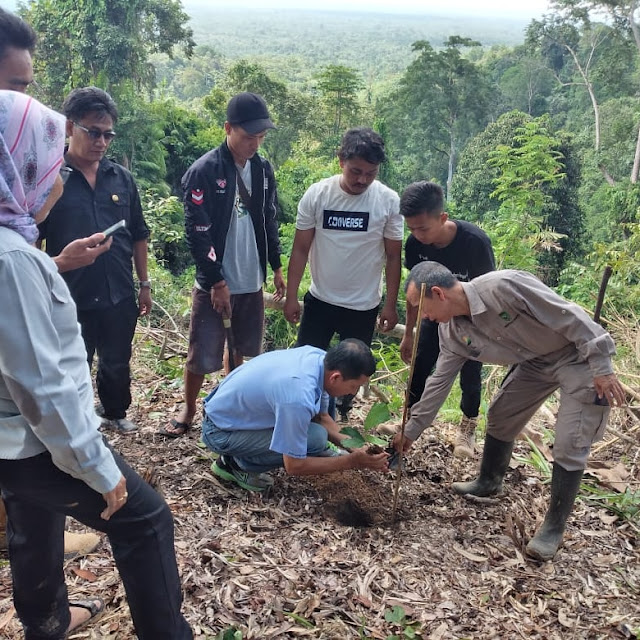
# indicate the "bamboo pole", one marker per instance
pixel 405 410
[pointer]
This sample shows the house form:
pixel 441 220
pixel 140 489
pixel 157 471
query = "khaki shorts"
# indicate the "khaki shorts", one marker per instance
pixel 207 335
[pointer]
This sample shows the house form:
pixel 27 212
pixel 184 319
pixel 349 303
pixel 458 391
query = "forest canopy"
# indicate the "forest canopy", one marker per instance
pixel 532 129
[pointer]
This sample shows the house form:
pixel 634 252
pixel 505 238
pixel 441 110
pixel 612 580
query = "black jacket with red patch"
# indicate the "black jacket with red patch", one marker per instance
pixel 209 191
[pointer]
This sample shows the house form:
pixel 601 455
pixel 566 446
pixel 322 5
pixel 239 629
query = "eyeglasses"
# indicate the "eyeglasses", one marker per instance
pixel 65 172
pixel 96 134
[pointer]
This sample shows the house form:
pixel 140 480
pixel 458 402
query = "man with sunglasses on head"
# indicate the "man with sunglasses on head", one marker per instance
pixel 99 193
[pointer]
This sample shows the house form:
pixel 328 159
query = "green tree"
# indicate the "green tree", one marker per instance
pixel 298 173
pixel 601 56
pixel 186 137
pixel 617 131
pixel 473 182
pixel 518 231
pixel 572 46
pixel 442 101
pixel 474 185
pixel 610 204
pixel 103 42
pixel 524 80
pixel 339 86
pixel 289 109
pixel 526 85
pixel 189 78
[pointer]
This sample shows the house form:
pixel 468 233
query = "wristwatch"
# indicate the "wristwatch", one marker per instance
pixel 145 284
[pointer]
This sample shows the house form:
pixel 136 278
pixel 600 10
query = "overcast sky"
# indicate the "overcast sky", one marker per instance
pixel 507 8
pixel 513 8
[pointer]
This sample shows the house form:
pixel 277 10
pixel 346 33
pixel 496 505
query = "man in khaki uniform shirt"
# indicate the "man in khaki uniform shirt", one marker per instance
pixel 511 318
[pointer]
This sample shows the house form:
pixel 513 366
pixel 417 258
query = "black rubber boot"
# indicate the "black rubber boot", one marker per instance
pixel 495 461
pixel 564 489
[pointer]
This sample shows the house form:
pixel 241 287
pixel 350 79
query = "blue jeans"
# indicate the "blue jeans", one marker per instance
pixel 251 449
pixel 37 497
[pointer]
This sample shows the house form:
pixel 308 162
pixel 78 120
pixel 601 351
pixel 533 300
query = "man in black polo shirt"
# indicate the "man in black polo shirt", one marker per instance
pixel 97 194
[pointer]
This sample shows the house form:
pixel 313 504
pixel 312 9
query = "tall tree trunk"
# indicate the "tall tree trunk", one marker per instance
pixel 636 161
pixel 636 36
pixel 584 72
pixel 452 153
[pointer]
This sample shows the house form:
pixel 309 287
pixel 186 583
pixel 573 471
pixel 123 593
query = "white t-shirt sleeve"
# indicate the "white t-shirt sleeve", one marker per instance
pixel 306 218
pixel 394 227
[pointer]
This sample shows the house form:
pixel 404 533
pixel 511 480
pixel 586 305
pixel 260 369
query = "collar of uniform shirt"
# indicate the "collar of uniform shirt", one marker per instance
pixel 476 305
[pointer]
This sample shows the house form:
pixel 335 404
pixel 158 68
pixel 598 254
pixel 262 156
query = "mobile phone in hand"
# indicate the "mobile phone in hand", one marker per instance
pixel 121 224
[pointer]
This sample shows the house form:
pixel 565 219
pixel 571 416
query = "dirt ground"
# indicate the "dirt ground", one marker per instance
pixel 285 565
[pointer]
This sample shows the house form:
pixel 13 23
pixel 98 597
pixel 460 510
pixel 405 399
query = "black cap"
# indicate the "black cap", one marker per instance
pixel 249 111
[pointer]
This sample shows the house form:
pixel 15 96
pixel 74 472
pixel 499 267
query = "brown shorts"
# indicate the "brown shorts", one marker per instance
pixel 206 332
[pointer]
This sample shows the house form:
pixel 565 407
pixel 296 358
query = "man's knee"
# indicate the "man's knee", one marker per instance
pixel 578 427
pixel 571 459
pixel 317 438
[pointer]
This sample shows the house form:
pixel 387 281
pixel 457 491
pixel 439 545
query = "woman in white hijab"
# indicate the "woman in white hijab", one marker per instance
pixel 53 460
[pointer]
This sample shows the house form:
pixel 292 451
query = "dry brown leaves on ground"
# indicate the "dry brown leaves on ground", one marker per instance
pixel 283 566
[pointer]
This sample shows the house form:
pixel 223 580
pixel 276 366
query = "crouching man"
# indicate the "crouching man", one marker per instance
pixel 511 318
pixel 272 412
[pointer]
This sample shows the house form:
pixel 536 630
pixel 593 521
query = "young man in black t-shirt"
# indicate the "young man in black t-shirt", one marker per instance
pixel 466 251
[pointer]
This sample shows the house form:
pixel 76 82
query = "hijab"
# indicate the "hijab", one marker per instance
pixel 31 153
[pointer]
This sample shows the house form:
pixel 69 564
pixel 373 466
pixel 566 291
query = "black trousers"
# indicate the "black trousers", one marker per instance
pixel 38 496
pixel 108 333
pixel 321 320
pixel 426 358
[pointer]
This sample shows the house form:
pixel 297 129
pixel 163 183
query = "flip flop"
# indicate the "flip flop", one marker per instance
pixel 182 426
pixel 95 611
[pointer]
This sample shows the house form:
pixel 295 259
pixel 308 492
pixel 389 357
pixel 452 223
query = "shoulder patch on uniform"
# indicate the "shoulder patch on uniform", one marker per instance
pixel 221 182
pixel 212 255
pixel 505 316
pixel 197 196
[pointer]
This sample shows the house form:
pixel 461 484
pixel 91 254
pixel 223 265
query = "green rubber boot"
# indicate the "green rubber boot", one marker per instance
pixel 495 461
pixel 564 489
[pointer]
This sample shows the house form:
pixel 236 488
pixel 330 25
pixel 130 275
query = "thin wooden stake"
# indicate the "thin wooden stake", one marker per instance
pixel 405 409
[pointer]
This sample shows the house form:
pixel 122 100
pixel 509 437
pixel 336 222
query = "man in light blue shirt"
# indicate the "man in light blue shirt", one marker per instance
pixel 272 412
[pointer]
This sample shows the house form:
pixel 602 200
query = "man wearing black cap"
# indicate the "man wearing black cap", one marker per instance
pixel 230 204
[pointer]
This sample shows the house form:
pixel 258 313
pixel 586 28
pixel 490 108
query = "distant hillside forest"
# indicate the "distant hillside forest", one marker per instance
pixel 301 42
pixel 533 130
